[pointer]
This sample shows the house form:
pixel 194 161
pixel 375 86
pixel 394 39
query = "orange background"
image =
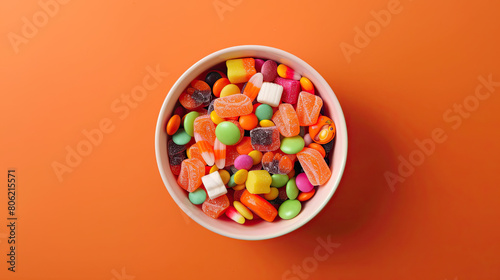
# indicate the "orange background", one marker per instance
pixel 112 218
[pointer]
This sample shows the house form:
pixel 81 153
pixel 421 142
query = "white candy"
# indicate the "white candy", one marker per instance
pixel 270 94
pixel 214 185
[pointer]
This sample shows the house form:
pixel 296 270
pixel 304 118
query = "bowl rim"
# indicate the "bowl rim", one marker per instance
pixel 335 106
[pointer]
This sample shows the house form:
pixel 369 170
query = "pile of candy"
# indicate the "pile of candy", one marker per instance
pixel 253 140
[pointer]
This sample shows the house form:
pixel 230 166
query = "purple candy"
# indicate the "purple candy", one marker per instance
pixel 303 183
pixel 258 64
pixel 269 70
pixel 243 162
pixel 291 89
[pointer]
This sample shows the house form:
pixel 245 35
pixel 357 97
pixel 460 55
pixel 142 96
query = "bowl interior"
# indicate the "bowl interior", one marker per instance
pixel 256 230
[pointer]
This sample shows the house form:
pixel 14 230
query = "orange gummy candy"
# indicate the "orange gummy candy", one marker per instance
pixel 245 146
pixel 314 166
pixel 286 120
pixel 308 108
pixel 259 206
pixel 233 106
pixel 194 152
pixel 215 207
pixel 191 172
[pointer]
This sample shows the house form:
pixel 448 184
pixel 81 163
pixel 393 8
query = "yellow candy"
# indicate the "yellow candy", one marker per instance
pixel 266 123
pixel 240 176
pixel 188 152
pixel 215 118
pixel 229 90
pixel 256 156
pixel 239 187
pixel 224 175
pixel 213 169
pixel 243 210
pixel 258 182
pixel 240 70
pixel 272 195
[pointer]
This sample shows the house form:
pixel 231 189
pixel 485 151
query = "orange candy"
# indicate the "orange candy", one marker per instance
pixel 249 122
pixel 314 166
pixel 196 95
pixel 308 108
pixel 204 129
pixel 190 175
pixel 219 154
pixel 286 120
pixel 194 152
pixel 173 124
pixel 306 195
pixel 219 85
pixel 259 206
pixel 323 131
pixel 245 146
pixel 215 207
pixel 253 86
pixel 318 148
pixel 233 106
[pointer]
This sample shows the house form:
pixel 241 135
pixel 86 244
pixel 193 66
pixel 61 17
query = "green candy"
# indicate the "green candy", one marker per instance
pixel 189 122
pixel 279 180
pixel 227 133
pixel 198 196
pixel 291 189
pixel 264 112
pixel 292 145
pixel 289 209
pixel 181 137
pixel 231 182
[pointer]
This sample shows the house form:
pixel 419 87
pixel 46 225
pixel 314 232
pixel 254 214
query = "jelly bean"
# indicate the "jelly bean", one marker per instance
pixel 323 131
pixel 264 112
pixel 214 185
pixel 240 70
pixel 191 172
pixel 272 195
pixel 173 124
pixel 219 85
pixel 245 146
pixel 229 90
pixel 291 89
pixel 269 70
pixel 215 207
pixel 266 123
pixel 240 176
pixel 215 118
pixel 308 108
pixel 227 133
pixel 279 180
pixel 287 72
pixel 256 156
pixel 239 187
pixel 270 93
pixel 243 162
pixel 291 189
pixel 259 206
pixel 289 209
pixel 213 169
pixel 243 210
pixel 303 183
pixel 292 145
pixel 198 196
pixel 189 122
pixel 306 195
pixel 231 182
pixel 314 166
pixel 318 148
pixel 233 106
pixel 307 139
pixel 224 175
pixel 253 86
pixel 213 76
pixel 265 138
pixel 204 129
pixel 248 122
pixel 306 85
pixel 234 215
pixel 181 137
pixel 258 182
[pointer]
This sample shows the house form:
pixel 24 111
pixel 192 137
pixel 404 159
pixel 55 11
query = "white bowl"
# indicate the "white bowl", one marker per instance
pixel 261 230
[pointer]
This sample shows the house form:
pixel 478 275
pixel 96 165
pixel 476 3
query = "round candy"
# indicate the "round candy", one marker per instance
pixel 289 209
pixel 231 182
pixel 292 145
pixel 256 156
pixel 291 189
pixel 278 180
pixel 240 176
pixel 272 195
pixel 266 123
pixel 264 112
pixel 215 118
pixel 306 195
pixel 224 175
pixel 248 122
pixel 181 137
pixel 243 162
pixel 269 70
pixel 303 183
pixel 198 196
pixel 229 90
pixel 243 210
pixel 307 139
pixel 173 124
pixel 239 187
pixel 227 133
pixel 318 148
pixel 212 77
pixel 189 122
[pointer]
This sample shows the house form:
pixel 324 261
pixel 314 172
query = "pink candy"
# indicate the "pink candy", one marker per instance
pixel 243 162
pixel 291 90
